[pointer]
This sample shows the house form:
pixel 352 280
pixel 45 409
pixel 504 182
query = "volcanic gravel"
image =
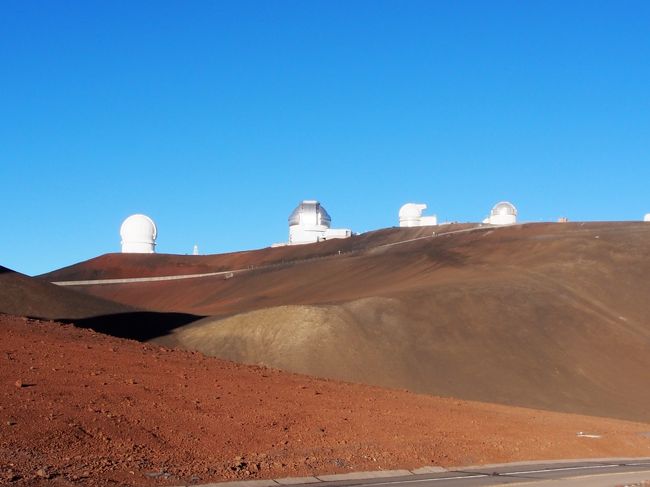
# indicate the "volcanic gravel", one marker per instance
pixel 81 408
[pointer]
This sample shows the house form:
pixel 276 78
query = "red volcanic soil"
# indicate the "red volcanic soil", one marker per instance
pixel 550 316
pixel 81 408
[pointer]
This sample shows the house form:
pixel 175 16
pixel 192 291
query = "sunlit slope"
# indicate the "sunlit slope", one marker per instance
pixel 606 264
pixel 545 315
pixel 115 266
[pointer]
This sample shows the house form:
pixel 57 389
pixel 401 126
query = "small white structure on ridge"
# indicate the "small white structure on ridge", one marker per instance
pixel 138 234
pixel 646 218
pixel 310 223
pixel 195 250
pixel 503 213
pixel 410 215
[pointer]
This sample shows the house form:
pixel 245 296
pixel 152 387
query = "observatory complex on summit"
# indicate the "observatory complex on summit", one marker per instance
pixel 310 223
pixel 410 215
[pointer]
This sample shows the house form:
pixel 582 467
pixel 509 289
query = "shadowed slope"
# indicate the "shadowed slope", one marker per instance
pixel 21 295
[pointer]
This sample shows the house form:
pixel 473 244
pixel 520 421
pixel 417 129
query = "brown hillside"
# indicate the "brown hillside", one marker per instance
pixel 117 266
pixel 87 409
pixel 551 316
pixel 22 295
pixel 26 296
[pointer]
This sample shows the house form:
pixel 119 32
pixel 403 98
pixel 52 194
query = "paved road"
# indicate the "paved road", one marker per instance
pixel 586 474
pixel 126 280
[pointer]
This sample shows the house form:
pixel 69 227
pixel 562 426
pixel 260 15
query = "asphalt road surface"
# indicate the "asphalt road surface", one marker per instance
pixel 583 474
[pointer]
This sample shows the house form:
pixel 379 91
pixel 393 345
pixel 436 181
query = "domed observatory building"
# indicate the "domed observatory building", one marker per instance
pixel 646 218
pixel 503 213
pixel 410 215
pixel 310 223
pixel 138 234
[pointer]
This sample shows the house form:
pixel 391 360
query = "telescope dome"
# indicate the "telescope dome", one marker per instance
pixel 310 213
pixel 411 210
pixel 310 223
pixel 504 208
pixel 503 213
pixel 138 234
pixel 410 215
pixel 646 218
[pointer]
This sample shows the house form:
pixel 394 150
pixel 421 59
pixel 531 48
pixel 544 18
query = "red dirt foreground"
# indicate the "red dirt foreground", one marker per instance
pixel 80 408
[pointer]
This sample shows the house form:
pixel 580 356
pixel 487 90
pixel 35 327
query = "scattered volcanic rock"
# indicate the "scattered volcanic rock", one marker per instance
pixel 190 418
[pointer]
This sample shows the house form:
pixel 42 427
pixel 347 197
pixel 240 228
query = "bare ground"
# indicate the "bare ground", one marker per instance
pixel 81 408
pixel 551 316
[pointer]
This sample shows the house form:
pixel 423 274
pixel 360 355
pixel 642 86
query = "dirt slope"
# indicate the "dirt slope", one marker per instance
pixel 87 409
pixel 551 316
pixel 25 296
pixel 584 368
pixel 115 266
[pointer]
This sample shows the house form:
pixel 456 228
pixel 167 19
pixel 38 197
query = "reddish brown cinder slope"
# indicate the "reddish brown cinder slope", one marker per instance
pixel 553 316
pixel 83 407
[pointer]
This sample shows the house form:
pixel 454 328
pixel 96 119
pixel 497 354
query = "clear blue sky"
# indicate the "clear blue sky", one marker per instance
pixel 217 118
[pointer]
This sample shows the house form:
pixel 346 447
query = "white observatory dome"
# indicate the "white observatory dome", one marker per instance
pixel 503 213
pixel 310 223
pixel 138 234
pixel 310 213
pixel 410 215
pixel 646 218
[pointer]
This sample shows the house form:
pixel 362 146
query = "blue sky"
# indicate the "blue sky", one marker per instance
pixel 217 118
